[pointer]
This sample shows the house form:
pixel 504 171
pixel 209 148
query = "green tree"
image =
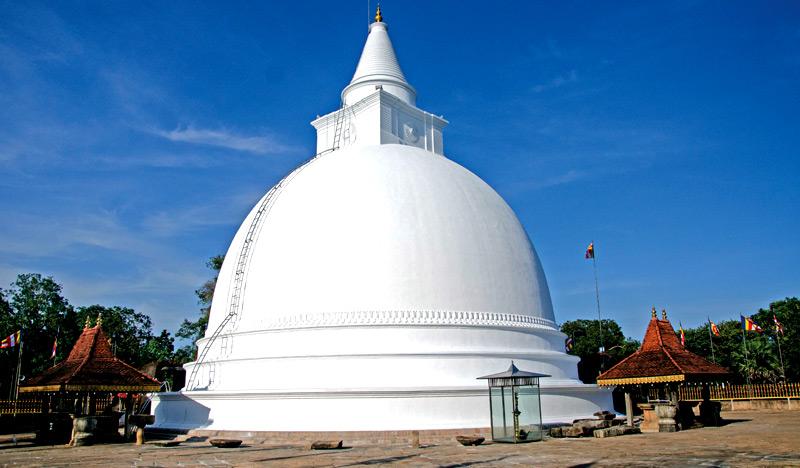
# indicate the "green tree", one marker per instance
pixel 35 306
pixel 725 347
pixel 195 330
pixel 763 363
pixel 787 312
pixel 759 362
pixel 585 335
pixel 160 348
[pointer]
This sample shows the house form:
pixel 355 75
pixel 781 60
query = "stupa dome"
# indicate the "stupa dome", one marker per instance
pixel 374 232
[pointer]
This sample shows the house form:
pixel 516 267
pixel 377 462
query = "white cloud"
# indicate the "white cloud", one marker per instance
pixel 228 210
pixel 571 175
pixel 157 159
pixel 164 290
pixel 224 138
pixel 46 234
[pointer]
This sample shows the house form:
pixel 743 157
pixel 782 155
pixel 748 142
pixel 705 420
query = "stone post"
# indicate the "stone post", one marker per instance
pixel 415 439
pixel 666 417
pixel 629 407
pixel 128 411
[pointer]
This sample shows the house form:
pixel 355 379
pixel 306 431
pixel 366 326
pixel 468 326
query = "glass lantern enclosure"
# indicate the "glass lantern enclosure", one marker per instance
pixel 515 405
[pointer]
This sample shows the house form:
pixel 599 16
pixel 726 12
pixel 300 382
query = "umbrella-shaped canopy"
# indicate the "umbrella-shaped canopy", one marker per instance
pixel 92 366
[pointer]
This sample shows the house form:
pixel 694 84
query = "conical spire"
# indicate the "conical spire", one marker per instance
pixel 378 66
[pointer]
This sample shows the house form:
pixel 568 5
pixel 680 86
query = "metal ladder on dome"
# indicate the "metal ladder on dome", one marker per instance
pixel 239 275
pixel 338 127
pixel 244 254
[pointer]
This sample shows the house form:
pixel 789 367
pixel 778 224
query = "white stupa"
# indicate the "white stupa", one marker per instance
pixel 370 287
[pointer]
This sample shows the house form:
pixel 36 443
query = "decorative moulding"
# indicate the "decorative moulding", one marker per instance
pixel 406 317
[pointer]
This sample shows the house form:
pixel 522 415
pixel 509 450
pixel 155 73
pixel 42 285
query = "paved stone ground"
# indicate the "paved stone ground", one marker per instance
pixel 752 438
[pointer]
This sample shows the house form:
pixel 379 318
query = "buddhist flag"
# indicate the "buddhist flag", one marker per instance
pixel 714 328
pixel 590 251
pixel 568 344
pixel 749 325
pixel 683 335
pixel 55 345
pixel 10 341
pixel 778 325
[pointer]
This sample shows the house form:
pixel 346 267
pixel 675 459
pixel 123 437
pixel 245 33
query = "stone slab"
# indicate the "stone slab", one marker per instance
pixel 740 442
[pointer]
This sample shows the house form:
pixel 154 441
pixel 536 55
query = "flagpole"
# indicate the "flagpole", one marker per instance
pixel 710 340
pixel 746 360
pixel 19 366
pixel 780 355
pixel 16 387
pixel 597 297
pixel 778 329
pixel 55 344
pixel 16 390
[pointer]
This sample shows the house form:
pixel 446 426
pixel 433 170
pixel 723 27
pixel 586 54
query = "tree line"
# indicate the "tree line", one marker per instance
pixel 760 357
pixel 35 305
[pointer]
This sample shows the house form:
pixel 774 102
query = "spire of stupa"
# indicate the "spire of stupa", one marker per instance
pixel 378 66
pixel 379 105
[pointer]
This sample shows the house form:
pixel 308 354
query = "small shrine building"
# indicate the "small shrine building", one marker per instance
pixel 663 363
pixel 91 382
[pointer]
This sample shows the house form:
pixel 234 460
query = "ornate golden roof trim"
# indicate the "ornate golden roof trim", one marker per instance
pixel 42 388
pixel 91 388
pixel 641 380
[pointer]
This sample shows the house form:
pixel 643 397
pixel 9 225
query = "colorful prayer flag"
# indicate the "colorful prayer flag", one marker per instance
pixel 714 328
pixel 55 345
pixel 568 344
pixel 749 325
pixel 778 325
pixel 590 251
pixel 683 335
pixel 10 341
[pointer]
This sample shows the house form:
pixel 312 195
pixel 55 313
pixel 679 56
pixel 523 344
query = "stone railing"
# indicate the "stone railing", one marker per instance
pixel 26 406
pixel 726 391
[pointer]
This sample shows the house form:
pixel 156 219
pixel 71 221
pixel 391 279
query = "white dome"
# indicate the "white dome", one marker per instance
pixel 381 230
pixel 382 280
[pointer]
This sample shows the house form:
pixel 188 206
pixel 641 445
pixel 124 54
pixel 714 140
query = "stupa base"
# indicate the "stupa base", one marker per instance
pixel 358 410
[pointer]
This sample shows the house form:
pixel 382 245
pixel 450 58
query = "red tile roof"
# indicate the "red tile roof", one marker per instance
pixel 91 366
pixel 661 358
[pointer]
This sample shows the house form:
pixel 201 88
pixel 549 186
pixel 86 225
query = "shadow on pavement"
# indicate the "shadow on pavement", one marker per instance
pixel 381 461
pixel 727 421
pixel 471 463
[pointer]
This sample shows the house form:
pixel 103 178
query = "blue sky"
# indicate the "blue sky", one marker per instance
pixel 135 136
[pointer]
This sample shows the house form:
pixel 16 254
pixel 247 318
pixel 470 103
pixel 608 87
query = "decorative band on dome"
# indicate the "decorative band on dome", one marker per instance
pixel 406 317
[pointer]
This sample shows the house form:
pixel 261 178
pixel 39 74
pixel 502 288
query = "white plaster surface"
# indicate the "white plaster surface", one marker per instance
pixel 378 65
pixel 421 409
pixel 385 228
pixel 381 280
